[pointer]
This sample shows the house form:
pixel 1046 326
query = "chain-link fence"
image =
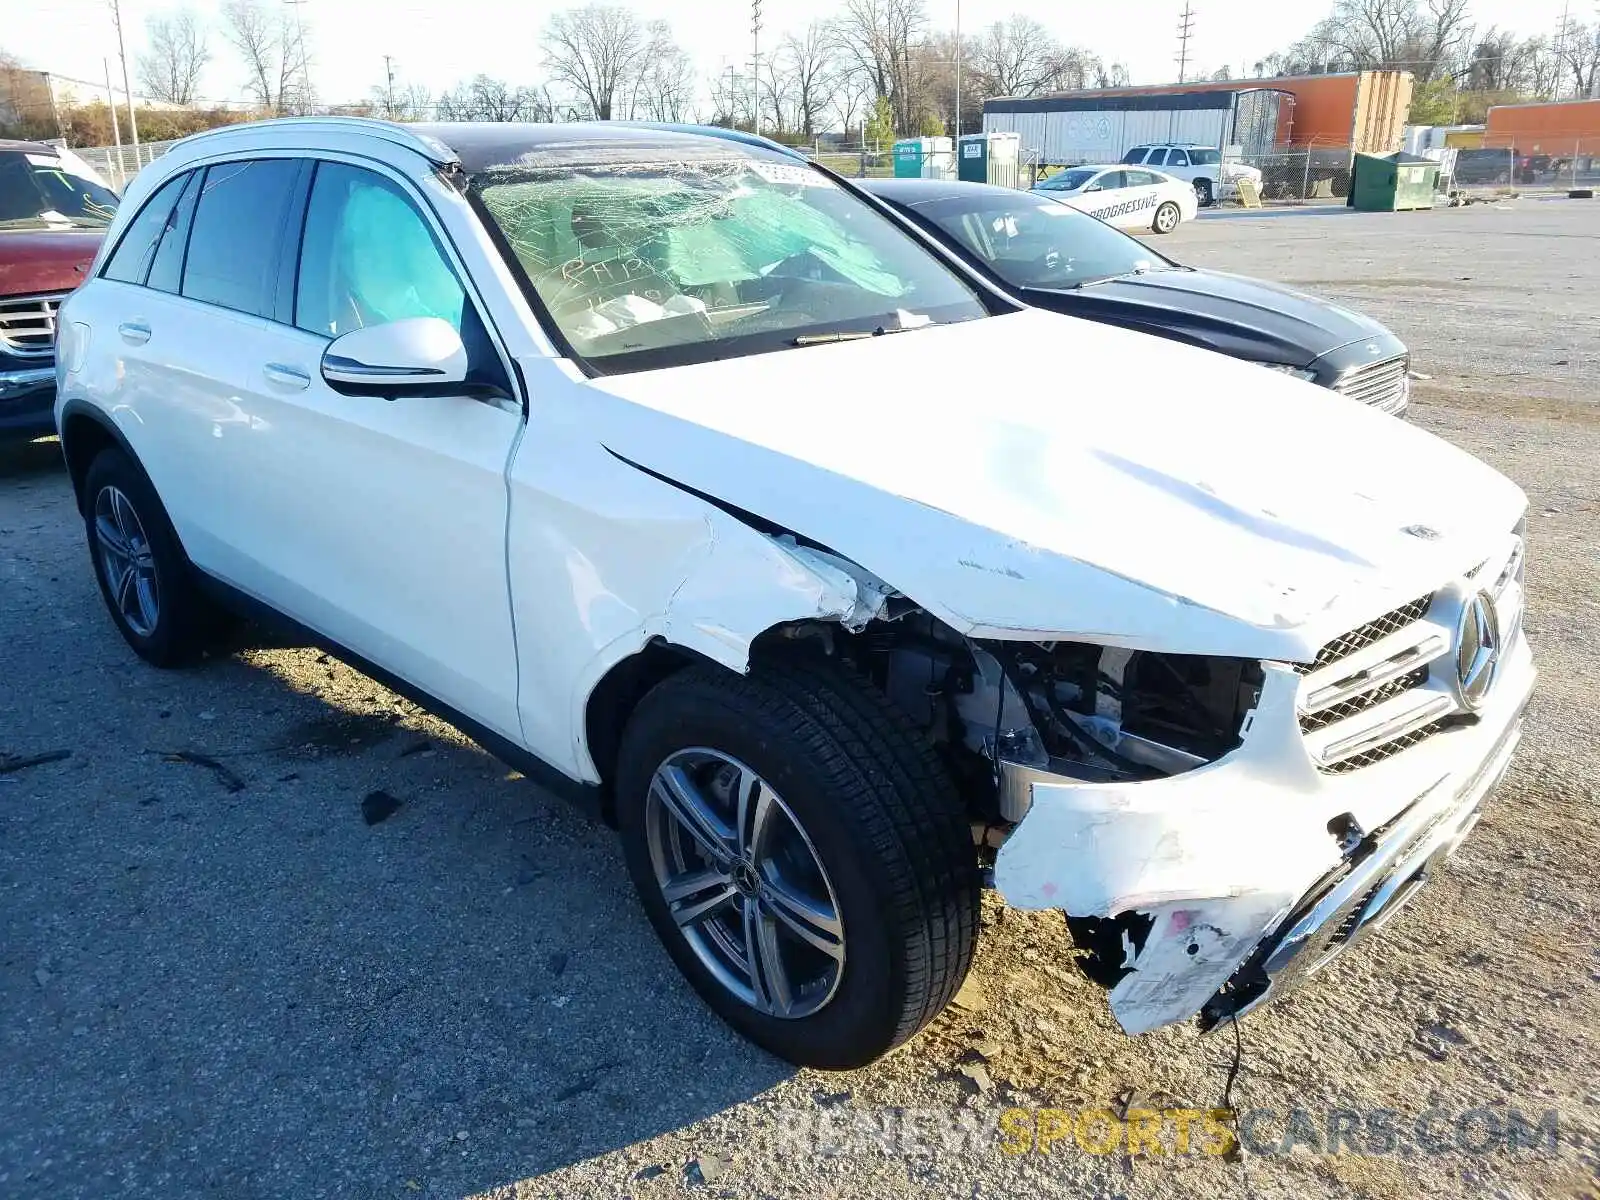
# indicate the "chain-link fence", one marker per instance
pixel 1309 176
pixel 1508 169
pixel 118 164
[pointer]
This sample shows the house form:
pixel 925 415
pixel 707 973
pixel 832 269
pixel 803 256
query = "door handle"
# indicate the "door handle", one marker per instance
pixel 135 333
pixel 286 377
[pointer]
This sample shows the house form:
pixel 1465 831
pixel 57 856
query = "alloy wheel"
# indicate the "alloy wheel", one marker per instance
pixel 744 884
pixel 127 561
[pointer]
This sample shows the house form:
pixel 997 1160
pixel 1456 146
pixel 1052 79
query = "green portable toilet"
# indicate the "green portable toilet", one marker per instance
pixel 990 158
pixel 908 158
pixel 1393 182
pixel 924 158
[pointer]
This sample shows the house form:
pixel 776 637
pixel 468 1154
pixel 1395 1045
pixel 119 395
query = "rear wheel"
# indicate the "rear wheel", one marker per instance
pixel 1167 218
pixel 802 855
pixel 144 576
pixel 1203 192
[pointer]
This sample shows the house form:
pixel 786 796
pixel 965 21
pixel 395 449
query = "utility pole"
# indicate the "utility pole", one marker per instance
pixel 388 87
pixel 122 53
pixel 1185 32
pixel 116 134
pixel 1562 30
pixel 755 62
pixel 958 77
pixel 305 59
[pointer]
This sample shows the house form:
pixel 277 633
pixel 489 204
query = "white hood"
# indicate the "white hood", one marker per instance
pixel 1037 475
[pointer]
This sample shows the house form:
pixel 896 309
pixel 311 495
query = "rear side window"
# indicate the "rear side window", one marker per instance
pixel 237 236
pixel 1111 181
pixel 1136 155
pixel 1140 179
pixel 166 270
pixel 1177 158
pixel 130 262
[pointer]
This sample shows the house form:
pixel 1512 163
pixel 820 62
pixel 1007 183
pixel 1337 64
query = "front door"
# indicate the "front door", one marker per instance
pixel 379 523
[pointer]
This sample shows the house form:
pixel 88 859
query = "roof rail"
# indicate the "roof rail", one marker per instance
pixel 429 147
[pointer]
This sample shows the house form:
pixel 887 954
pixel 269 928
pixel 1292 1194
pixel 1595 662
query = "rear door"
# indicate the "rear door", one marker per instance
pixel 1178 165
pixel 380 523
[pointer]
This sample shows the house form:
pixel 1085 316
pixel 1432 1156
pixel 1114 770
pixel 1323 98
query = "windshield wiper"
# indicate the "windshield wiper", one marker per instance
pixel 848 335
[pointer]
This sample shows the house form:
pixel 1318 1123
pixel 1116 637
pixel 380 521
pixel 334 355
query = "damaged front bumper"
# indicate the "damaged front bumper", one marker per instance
pixel 1207 893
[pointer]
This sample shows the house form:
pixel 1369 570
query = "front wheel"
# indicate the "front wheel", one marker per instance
pixel 1167 218
pixel 1203 192
pixel 802 855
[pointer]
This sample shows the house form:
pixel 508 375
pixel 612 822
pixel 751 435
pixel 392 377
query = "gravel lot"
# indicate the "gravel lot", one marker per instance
pixel 221 980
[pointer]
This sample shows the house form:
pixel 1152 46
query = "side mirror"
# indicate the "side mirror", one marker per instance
pixel 417 354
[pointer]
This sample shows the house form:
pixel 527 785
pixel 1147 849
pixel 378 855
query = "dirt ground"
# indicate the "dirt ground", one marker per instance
pixel 218 979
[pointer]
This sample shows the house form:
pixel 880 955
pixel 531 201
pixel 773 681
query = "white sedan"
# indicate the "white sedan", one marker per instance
pixel 1127 197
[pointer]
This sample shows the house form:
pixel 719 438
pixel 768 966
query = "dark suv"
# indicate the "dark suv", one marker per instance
pixel 52 217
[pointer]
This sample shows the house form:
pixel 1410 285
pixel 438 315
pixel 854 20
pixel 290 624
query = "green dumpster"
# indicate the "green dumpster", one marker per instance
pixel 1393 182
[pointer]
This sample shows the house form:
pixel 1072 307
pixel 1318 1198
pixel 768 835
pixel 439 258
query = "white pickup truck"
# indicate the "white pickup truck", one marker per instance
pixel 687 479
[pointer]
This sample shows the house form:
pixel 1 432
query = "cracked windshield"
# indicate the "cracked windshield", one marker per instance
pixel 713 258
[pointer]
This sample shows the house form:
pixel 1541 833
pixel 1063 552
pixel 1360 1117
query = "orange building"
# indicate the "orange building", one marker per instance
pixel 1560 128
pixel 1365 110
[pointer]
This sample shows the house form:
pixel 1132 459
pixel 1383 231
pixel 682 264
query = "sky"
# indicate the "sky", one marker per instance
pixel 438 43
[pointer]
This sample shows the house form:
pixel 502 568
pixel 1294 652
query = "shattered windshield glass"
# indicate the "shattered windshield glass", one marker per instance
pixel 711 257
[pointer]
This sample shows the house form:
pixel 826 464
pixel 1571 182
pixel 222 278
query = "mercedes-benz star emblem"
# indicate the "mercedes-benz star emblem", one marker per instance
pixel 1477 650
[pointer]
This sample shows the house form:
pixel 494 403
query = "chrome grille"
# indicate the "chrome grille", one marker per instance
pixel 1372 693
pixel 1363 701
pixel 28 324
pixel 1387 750
pixel 1372 631
pixel 1382 385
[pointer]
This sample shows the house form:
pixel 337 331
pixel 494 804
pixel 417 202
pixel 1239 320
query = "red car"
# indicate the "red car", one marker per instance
pixel 52 217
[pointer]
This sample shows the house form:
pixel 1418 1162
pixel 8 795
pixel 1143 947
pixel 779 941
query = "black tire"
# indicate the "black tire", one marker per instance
pixel 185 622
pixel 883 819
pixel 1168 214
pixel 1203 192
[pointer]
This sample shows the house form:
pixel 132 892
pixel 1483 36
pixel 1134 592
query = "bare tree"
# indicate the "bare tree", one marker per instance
pixel 1580 57
pixel 598 53
pixel 1015 57
pixel 1113 75
pixel 810 61
pixel 276 59
pixel 850 97
pixel 877 39
pixel 665 87
pixel 170 69
pixel 484 98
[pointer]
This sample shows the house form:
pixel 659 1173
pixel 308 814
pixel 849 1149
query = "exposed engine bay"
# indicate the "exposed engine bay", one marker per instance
pixel 1085 711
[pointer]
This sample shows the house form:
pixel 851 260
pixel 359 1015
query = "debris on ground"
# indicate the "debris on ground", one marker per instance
pixel 377 807
pixel 977 1077
pixel 707 1168
pixel 227 778
pixel 21 762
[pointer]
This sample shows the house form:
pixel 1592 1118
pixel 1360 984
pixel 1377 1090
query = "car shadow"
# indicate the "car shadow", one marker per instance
pixel 273 930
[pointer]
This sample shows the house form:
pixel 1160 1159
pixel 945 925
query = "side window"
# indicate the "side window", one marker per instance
pixel 238 233
pixel 130 262
pixel 1177 158
pixel 166 271
pixel 1140 179
pixel 1110 181
pixel 1136 155
pixel 369 257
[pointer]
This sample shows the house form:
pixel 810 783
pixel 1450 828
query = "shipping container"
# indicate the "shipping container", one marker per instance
pixel 1071 129
pixel 1561 129
pixel 1365 110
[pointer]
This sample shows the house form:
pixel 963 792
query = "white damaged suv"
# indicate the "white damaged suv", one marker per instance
pixel 681 476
